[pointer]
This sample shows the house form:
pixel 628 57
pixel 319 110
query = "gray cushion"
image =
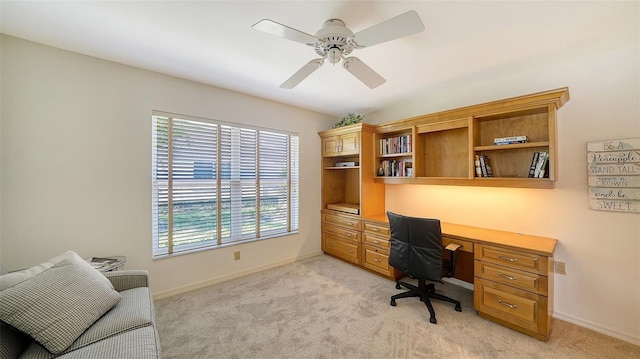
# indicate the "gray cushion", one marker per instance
pixel 47 306
pixel 10 279
pixel 12 342
pixel 135 310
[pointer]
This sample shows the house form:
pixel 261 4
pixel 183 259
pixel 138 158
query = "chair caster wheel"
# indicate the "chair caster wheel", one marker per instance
pixel 393 303
pixel 458 308
pixel 433 320
pixel 398 286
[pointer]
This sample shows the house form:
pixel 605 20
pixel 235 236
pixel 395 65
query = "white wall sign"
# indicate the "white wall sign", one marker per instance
pixel 614 175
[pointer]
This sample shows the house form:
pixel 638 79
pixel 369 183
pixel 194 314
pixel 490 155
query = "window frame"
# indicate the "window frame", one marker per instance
pixel 221 180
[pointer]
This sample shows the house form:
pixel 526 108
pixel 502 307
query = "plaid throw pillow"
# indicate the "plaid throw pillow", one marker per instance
pixel 56 306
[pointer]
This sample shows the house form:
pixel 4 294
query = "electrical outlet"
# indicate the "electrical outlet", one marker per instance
pixel 236 255
pixel 560 268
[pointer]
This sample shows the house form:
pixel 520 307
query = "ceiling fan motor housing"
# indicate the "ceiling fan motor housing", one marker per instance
pixel 334 44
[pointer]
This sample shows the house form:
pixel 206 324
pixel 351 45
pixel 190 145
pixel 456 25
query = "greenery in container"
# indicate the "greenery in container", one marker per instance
pixel 349 119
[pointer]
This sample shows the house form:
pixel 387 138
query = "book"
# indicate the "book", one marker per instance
pixel 478 168
pixel 510 140
pixel 542 160
pixel 100 262
pixel 543 166
pixel 485 166
pixel 534 162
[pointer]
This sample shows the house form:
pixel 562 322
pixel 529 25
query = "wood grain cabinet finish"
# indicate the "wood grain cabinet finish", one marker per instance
pixel 376 248
pixel 452 139
pixel 514 288
pixel 341 145
pixel 341 237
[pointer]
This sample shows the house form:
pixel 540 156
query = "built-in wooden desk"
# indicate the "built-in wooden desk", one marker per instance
pixel 511 272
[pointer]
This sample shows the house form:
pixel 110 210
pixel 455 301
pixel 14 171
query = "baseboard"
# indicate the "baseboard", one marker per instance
pixel 193 286
pixel 459 283
pixel 596 328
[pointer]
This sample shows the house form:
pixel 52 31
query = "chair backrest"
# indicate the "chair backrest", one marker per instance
pixel 416 246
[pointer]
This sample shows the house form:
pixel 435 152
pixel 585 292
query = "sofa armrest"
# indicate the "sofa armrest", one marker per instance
pixel 128 279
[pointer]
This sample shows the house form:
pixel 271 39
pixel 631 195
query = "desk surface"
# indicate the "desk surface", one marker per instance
pixel 536 244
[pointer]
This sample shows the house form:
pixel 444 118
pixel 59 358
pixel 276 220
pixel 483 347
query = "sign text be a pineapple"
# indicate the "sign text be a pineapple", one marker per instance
pixel 614 175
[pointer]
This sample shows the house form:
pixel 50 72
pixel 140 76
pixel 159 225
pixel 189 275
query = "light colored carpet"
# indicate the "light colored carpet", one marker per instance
pixel 321 307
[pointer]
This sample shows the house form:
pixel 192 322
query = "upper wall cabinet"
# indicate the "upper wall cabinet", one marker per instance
pixel 341 145
pixel 507 143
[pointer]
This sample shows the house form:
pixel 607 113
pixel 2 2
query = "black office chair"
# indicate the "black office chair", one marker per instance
pixel 416 250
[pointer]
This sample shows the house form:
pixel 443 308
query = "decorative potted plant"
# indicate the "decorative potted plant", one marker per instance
pixel 349 119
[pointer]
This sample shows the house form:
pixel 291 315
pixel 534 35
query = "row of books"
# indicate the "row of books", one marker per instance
pixel 483 166
pixel 399 144
pixel 394 168
pixel 539 165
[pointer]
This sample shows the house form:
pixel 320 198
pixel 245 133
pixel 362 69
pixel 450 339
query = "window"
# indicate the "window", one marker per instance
pixel 217 183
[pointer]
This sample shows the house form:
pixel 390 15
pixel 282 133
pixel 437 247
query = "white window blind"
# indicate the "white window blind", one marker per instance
pixel 218 183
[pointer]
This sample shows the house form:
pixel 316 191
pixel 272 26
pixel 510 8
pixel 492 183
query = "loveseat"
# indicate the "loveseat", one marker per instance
pixel 71 310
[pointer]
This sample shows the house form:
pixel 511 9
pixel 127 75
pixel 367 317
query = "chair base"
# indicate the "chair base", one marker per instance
pixel 424 292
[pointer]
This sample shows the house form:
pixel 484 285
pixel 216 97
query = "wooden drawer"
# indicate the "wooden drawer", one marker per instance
pixel 512 277
pixel 374 240
pixel 346 250
pixel 377 259
pixel 465 245
pixel 519 309
pixel 513 259
pixel 377 229
pixel 342 221
pixel 341 232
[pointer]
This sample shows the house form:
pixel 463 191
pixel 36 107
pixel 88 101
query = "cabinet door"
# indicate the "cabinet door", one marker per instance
pixel 330 146
pixel 350 144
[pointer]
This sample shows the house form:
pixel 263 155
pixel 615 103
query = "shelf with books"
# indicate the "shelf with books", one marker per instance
pixel 395 154
pixel 508 132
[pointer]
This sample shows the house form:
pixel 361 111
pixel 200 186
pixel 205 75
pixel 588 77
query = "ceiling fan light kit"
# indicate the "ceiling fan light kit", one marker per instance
pixel 334 42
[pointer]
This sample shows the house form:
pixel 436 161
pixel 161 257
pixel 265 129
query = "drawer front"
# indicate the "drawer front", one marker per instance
pixel 342 221
pixel 346 250
pixel 465 245
pixel 377 229
pixel 341 232
pixel 377 259
pixel 521 308
pixel 374 240
pixel 513 277
pixel 512 259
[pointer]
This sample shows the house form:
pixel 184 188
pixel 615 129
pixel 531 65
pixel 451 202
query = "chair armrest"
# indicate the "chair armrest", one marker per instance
pixel 128 279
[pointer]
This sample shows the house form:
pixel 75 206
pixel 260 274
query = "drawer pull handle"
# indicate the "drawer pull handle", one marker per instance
pixel 512 306
pixel 349 223
pixel 376 229
pixel 349 250
pixel 375 242
pixel 376 260
pixel 507 276
pixel 349 235
pixel 508 259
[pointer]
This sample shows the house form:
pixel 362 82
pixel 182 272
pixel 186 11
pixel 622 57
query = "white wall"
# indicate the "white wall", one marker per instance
pixel 601 289
pixel 76 163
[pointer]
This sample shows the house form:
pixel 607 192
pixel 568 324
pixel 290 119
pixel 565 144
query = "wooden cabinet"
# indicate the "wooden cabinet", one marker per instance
pixel 445 144
pixel 347 171
pixel 341 145
pixel 376 247
pixel 514 288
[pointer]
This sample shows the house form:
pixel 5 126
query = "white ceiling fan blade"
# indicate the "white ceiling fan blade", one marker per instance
pixel 302 74
pixel 402 25
pixel 363 72
pixel 284 31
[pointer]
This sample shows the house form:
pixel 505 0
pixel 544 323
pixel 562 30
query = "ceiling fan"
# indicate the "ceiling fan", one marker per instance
pixel 335 41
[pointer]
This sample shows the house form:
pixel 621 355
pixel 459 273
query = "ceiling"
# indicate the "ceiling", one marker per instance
pixel 212 42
